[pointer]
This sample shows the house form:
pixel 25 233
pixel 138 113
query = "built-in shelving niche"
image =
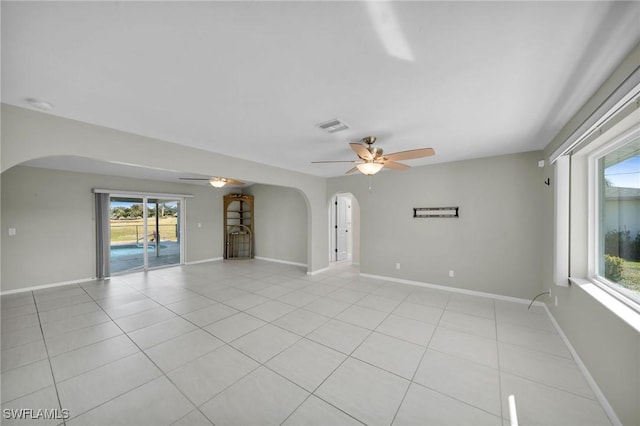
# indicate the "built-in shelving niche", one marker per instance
pixel 238 226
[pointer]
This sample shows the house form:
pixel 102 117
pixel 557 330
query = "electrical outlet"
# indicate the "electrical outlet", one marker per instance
pixel 397 265
pixel 451 273
pixel 12 232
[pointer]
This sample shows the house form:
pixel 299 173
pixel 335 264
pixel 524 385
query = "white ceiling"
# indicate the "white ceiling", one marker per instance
pixel 252 79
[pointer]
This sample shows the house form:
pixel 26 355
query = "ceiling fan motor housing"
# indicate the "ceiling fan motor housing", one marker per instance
pixel 369 140
pixel 376 153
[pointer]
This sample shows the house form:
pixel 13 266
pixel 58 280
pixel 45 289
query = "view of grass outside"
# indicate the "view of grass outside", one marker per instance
pixel 631 275
pixel 131 231
pixel 620 215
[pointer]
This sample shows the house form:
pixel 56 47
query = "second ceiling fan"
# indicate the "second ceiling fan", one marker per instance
pixel 217 182
pixel 372 159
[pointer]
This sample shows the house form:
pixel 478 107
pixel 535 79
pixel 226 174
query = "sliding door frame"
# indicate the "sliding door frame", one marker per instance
pixel 145 196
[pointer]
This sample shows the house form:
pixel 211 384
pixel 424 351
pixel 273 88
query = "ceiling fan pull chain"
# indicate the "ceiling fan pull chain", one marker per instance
pixel 370 183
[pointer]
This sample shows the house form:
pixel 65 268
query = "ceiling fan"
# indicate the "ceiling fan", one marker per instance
pixel 372 160
pixel 218 182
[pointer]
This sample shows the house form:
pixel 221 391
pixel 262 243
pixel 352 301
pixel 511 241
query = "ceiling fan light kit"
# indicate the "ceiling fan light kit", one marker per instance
pixel 217 182
pixel 369 168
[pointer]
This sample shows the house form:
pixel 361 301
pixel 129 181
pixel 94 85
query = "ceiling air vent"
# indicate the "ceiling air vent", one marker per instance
pixel 333 126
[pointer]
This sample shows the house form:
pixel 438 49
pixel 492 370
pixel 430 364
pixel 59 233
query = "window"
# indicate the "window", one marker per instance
pixel 616 224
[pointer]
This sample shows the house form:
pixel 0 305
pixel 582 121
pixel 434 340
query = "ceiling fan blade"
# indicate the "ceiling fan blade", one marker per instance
pixel 195 178
pixel 352 170
pixel 337 161
pixel 234 182
pixel 361 151
pixel 395 166
pixel 411 154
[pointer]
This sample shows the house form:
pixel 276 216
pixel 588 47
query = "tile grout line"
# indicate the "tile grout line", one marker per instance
pixel 149 381
pixel 46 347
pixel 411 381
pixel 260 364
pixel 348 356
pixel 296 342
pixel 439 325
pixel 101 309
pixel 456 357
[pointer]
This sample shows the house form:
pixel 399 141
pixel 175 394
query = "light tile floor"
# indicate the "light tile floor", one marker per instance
pixel 252 342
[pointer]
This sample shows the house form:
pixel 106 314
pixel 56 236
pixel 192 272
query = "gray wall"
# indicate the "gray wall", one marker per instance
pixel 609 348
pixel 27 135
pixel 495 245
pixel 280 223
pixel 53 213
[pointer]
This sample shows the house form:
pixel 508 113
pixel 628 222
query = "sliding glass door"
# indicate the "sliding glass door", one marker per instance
pixel 126 234
pixel 144 233
pixel 163 232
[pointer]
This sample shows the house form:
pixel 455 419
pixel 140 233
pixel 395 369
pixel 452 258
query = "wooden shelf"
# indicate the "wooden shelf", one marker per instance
pixel 238 226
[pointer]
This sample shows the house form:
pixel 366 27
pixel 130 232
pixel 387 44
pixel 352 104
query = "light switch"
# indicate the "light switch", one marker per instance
pixel 12 232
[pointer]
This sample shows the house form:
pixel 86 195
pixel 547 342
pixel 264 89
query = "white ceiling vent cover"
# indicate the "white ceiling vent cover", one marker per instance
pixel 333 126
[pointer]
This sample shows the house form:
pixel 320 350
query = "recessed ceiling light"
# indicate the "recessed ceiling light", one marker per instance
pixel 40 104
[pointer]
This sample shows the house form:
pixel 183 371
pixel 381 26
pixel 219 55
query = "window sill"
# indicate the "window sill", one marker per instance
pixel 624 312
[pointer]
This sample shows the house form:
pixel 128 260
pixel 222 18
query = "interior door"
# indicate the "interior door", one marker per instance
pixel 341 228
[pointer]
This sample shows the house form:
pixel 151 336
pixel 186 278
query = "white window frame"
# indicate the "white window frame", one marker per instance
pixel 593 217
pixel 562 200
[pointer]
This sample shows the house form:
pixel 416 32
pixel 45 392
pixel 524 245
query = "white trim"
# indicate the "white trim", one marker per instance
pixel 593 199
pixel 145 232
pixel 593 210
pixel 41 287
pixel 452 289
pixel 286 262
pixel 622 96
pixel 118 193
pixel 195 262
pixel 585 372
pixel 182 238
pixel 317 271
pixel 618 307
pixel 561 223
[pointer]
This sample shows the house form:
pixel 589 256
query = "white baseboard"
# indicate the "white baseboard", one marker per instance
pixel 41 287
pixel 583 368
pixel 286 262
pixel 452 289
pixel 195 262
pixel 317 271
pixel 585 372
